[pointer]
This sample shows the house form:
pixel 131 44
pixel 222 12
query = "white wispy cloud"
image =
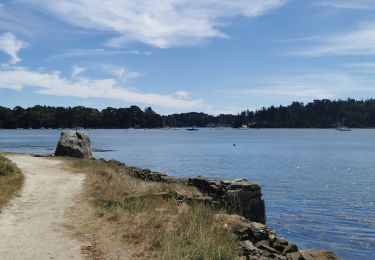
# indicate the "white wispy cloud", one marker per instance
pixel 360 65
pixel 162 24
pixel 77 70
pixel 361 68
pixel 121 73
pixel 358 42
pixel 182 94
pixel 15 19
pixel 9 22
pixel 306 87
pixel 348 4
pixel 10 45
pixel 76 53
pixel 52 83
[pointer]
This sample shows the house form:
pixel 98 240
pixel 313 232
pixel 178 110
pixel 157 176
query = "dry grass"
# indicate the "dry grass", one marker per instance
pixel 198 236
pixel 11 180
pixel 123 212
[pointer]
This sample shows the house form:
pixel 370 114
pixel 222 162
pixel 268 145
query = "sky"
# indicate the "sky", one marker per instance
pixel 214 56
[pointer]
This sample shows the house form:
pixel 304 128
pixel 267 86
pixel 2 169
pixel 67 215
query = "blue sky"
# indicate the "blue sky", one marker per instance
pixel 215 56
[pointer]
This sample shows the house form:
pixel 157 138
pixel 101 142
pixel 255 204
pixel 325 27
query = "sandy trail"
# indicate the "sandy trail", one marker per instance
pixel 31 227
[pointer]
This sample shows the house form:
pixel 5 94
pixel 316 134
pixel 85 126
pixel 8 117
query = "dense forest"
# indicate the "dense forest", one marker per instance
pixel 317 114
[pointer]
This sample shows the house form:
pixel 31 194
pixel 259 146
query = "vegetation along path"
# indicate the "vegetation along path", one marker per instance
pixel 32 226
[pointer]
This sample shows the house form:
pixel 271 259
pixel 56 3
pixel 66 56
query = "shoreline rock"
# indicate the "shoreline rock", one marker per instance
pixel 240 196
pixel 256 240
pixel 246 218
pixel 74 144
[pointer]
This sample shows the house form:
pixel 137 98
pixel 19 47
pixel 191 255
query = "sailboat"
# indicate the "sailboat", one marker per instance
pixel 194 128
pixel 244 127
pixel 341 126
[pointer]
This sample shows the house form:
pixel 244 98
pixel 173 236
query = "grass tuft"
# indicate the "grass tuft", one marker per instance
pixel 11 180
pixel 198 236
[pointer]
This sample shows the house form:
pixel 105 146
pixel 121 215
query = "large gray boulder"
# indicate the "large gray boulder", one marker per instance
pixel 74 144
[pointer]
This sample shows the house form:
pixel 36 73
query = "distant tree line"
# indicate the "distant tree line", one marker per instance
pixel 74 117
pixel 317 114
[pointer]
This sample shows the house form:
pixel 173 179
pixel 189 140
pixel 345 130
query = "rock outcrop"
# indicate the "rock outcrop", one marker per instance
pixel 246 221
pixel 318 255
pixel 240 196
pixel 258 241
pixel 148 175
pixel 74 144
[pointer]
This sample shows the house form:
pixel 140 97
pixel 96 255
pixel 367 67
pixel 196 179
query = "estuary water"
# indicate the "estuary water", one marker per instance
pixel 318 185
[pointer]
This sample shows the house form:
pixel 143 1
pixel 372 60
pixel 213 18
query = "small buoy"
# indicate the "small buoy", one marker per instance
pixel 234 144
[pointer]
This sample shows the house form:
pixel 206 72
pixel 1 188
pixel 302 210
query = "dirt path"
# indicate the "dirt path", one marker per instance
pixel 32 226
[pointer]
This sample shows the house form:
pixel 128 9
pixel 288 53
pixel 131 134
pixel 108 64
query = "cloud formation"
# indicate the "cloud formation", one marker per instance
pixel 77 70
pixel 360 65
pixel 182 94
pixel 54 84
pixel 307 87
pixel 357 42
pixel 349 4
pixel 161 24
pixel 121 73
pixel 76 53
pixel 10 45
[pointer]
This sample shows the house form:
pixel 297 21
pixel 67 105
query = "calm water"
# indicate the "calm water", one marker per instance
pixel 319 185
